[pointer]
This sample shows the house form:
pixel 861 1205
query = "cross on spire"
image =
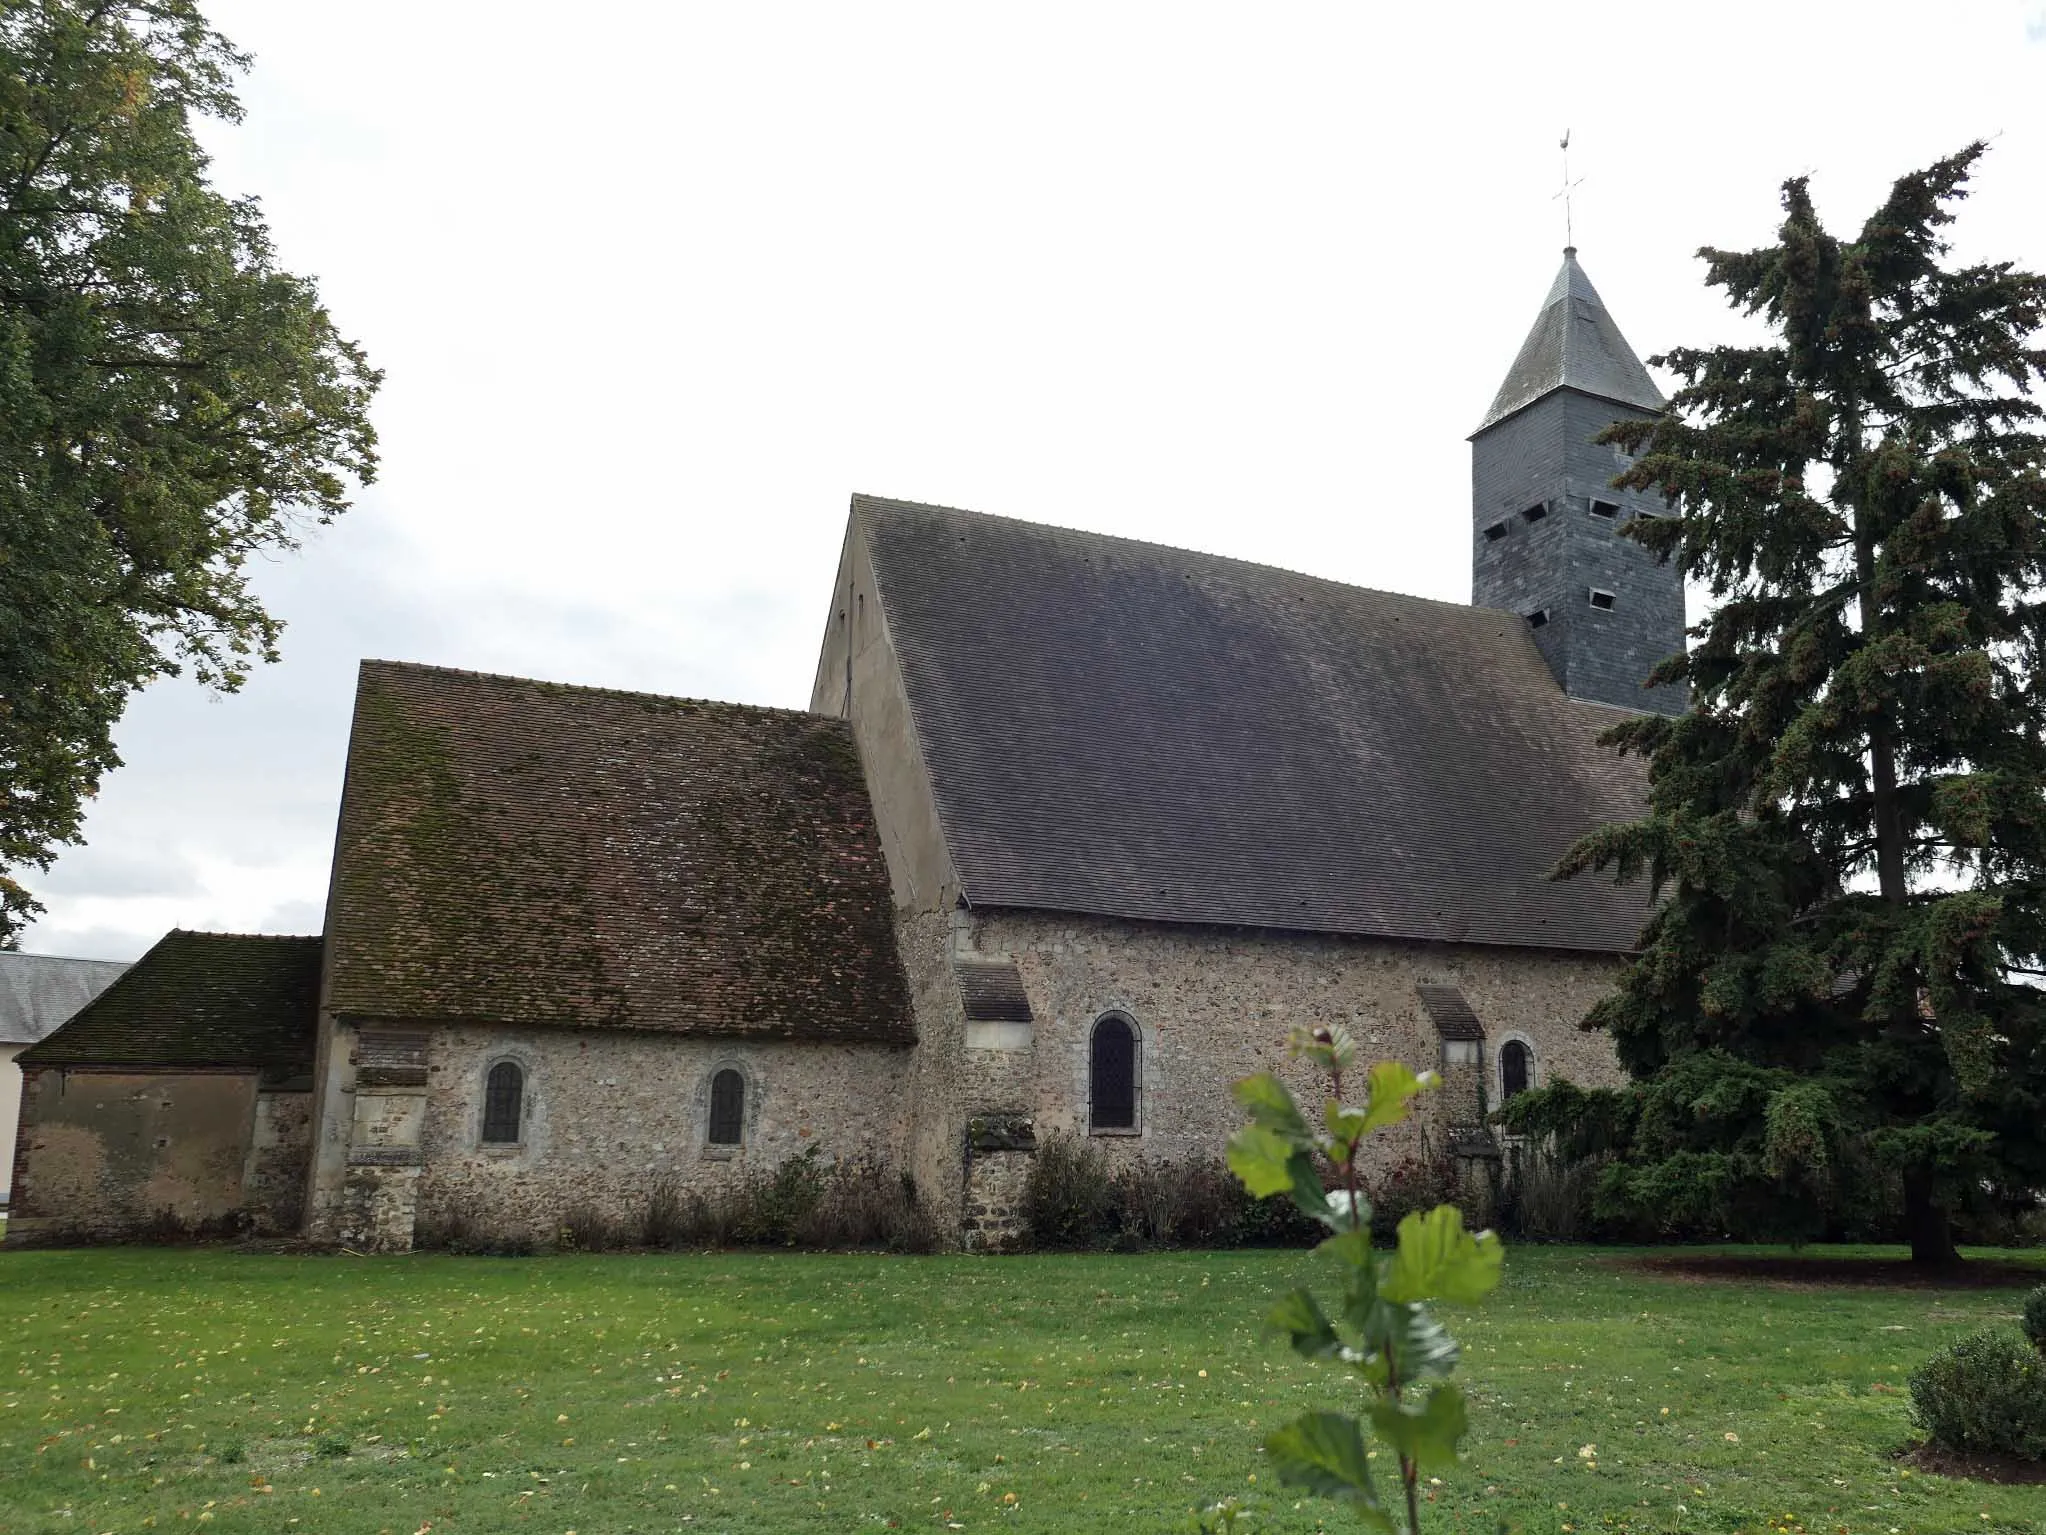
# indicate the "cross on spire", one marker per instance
pixel 1569 186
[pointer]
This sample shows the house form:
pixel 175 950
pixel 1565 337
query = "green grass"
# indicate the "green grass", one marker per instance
pixel 189 1389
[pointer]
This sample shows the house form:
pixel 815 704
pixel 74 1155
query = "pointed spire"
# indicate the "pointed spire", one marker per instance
pixel 1574 345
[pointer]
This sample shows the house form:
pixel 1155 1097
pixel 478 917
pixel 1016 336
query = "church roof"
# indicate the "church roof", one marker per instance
pixel 1574 345
pixel 39 991
pixel 1123 729
pixel 523 852
pixel 221 1000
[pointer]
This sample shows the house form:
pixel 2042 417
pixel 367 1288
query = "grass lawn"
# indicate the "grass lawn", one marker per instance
pixel 175 1389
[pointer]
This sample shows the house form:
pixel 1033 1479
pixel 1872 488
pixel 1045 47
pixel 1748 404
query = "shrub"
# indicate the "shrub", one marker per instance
pixel 1984 1393
pixel 1547 1199
pixel 1417 1182
pixel 455 1230
pixel 774 1206
pixel 1274 1221
pixel 863 1204
pixel 232 1452
pixel 2035 1318
pixel 330 1447
pixel 588 1230
pixel 667 1215
pixel 1212 1206
pixel 1069 1198
pixel 805 1202
pixel 1073 1202
pixel 1149 1203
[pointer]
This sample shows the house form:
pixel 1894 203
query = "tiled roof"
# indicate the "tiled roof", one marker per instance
pixel 198 1000
pixel 523 852
pixel 992 990
pixel 1450 1013
pixel 39 991
pixel 1135 731
pixel 1575 344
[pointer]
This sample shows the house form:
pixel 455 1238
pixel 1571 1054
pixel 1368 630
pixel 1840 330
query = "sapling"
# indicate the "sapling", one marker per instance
pixel 1381 1330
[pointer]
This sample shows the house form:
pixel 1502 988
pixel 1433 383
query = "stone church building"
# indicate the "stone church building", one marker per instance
pixel 1074 831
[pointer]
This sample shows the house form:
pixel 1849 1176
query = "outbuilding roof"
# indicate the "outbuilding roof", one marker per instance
pixel 199 1000
pixel 523 852
pixel 1124 729
pixel 40 991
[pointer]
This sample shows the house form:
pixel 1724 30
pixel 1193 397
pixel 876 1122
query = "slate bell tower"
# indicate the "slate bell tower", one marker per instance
pixel 1546 538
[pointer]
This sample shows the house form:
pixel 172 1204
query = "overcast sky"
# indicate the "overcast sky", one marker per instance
pixel 657 287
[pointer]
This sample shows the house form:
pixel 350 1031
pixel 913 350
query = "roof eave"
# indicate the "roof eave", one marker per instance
pixel 1577 389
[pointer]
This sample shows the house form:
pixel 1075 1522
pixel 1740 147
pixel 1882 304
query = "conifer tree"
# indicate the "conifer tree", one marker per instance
pixel 1830 1013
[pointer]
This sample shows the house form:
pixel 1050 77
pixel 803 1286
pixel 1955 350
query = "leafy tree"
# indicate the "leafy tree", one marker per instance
pixel 1848 827
pixel 1382 1331
pixel 170 402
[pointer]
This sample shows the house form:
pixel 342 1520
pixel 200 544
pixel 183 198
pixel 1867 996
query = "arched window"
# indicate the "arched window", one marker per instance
pixel 1112 1075
pixel 1516 1067
pixel 727 1108
pixel 504 1093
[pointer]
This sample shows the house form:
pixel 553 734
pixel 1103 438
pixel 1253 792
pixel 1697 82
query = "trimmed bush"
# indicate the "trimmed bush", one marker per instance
pixel 2035 1318
pixel 1986 1393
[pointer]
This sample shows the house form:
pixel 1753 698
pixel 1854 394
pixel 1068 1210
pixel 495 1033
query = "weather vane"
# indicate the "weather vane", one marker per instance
pixel 1569 232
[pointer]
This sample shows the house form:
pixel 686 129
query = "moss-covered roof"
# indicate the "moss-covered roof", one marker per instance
pixel 222 1000
pixel 524 852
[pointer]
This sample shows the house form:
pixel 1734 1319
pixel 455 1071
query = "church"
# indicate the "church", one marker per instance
pixel 1075 830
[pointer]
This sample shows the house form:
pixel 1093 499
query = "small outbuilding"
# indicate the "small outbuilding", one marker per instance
pixel 37 993
pixel 177 1100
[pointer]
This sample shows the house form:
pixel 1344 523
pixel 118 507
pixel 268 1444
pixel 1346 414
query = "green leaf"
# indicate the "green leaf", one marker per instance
pixel 1300 1317
pixel 1324 1453
pixel 1263 1159
pixel 1427 1435
pixel 1308 1193
pixel 1346 1127
pixel 1393 1090
pixel 1438 1260
pixel 1268 1163
pixel 1409 1342
pixel 1352 1249
pixel 1272 1108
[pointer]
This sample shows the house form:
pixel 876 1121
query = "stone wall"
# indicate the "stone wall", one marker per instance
pixel 860 677
pixel 935 1100
pixel 606 1117
pixel 1213 1005
pixel 280 1141
pixel 106 1155
pixel 10 1113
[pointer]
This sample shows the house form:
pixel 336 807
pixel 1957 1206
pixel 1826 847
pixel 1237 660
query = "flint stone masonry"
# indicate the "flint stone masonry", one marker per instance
pixel 606 1116
pixel 106 1155
pixel 992 1219
pixel 1215 1005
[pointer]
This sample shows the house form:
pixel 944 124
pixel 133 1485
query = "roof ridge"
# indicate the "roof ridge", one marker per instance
pixel 205 932
pixel 62 959
pixel 590 689
pixel 861 498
